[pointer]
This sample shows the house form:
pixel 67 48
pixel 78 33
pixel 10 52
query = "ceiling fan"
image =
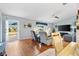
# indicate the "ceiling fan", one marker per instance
pixel 64 3
pixel 54 16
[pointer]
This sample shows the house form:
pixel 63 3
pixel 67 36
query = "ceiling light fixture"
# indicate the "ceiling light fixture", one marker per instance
pixel 64 3
pixel 54 16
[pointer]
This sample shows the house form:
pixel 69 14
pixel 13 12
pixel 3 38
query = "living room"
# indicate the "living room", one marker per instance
pixel 30 29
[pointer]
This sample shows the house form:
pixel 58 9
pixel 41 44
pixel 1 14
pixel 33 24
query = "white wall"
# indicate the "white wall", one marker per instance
pixel 24 33
pixel 0 27
pixel 70 20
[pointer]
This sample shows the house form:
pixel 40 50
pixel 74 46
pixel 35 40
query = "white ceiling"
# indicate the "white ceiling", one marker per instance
pixel 39 10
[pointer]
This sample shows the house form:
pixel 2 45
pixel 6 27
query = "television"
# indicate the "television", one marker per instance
pixel 64 28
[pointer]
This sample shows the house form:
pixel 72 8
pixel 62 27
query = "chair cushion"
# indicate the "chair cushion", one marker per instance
pixel 67 37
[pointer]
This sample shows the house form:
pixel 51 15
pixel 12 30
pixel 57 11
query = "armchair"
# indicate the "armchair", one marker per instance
pixel 44 38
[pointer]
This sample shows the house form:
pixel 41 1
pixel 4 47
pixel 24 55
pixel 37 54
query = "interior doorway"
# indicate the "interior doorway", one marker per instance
pixel 12 30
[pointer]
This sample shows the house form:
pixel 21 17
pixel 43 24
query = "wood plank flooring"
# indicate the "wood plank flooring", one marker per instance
pixel 24 48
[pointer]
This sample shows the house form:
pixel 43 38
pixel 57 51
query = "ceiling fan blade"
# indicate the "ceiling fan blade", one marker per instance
pixel 57 17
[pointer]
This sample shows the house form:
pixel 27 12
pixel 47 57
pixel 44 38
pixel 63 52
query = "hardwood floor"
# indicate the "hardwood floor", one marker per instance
pixel 24 48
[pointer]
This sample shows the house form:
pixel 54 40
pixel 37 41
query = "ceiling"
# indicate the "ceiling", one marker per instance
pixel 39 11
